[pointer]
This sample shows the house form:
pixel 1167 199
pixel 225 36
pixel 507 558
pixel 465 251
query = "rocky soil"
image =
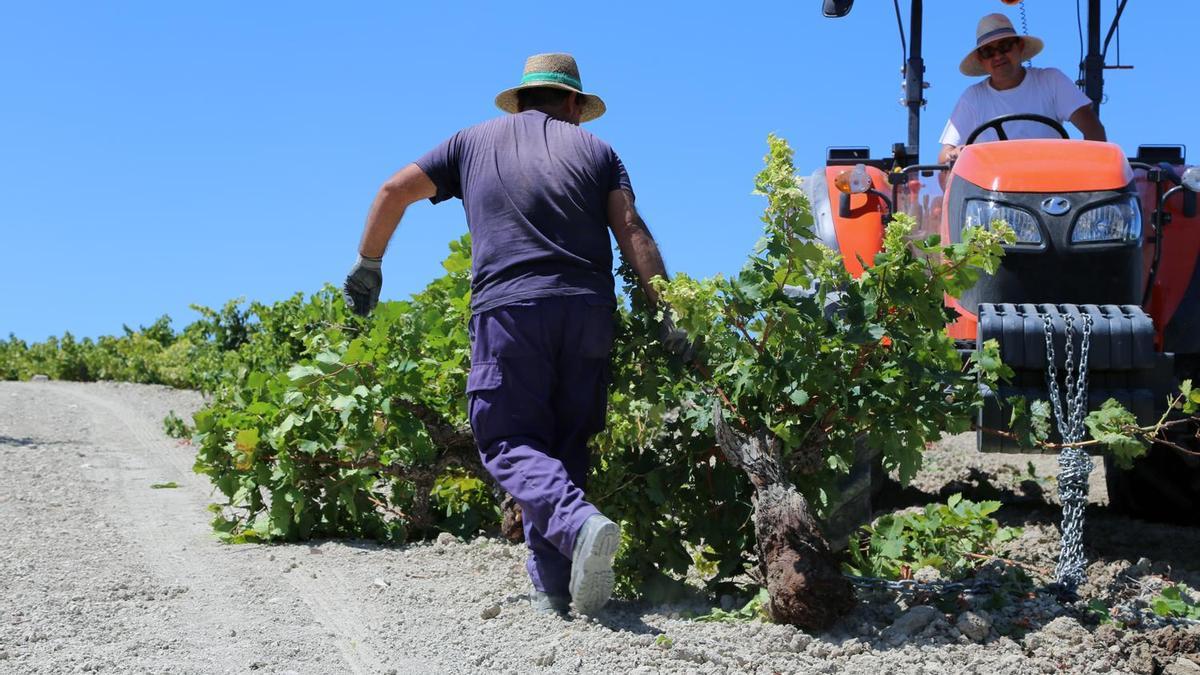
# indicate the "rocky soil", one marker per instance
pixel 101 571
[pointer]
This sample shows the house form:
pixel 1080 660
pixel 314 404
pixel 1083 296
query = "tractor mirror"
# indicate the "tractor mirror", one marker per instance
pixel 1191 178
pixel 835 9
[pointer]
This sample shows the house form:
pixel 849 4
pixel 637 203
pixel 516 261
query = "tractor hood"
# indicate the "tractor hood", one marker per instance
pixel 1044 165
pixel 1075 215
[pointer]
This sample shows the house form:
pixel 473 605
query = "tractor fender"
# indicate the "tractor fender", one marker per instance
pixel 858 233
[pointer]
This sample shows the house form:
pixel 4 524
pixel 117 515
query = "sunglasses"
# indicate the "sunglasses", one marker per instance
pixel 999 47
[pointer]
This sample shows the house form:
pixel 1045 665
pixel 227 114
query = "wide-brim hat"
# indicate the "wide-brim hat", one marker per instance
pixel 991 28
pixel 557 71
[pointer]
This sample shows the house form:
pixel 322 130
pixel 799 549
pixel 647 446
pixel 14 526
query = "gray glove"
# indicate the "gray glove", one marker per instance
pixel 675 339
pixel 361 289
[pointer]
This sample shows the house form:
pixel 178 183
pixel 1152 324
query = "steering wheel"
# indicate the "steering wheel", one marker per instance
pixel 998 122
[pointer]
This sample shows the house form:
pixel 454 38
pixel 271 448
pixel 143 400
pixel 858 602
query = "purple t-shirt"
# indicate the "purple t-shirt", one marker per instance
pixel 535 190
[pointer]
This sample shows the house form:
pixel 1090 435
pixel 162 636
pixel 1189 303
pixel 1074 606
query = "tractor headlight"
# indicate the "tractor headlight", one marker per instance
pixel 981 213
pixel 1112 222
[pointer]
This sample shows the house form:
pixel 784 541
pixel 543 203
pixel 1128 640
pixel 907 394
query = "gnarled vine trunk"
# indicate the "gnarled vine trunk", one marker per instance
pixel 803 581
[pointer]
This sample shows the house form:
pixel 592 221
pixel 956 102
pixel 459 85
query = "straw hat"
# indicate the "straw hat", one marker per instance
pixel 557 71
pixel 991 28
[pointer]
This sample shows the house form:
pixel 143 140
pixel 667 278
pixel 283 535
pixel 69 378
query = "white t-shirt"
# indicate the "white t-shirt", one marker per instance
pixel 1044 91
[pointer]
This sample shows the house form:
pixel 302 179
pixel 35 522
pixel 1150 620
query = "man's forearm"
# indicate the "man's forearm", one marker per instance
pixel 639 249
pixel 1095 132
pixel 382 220
pixel 1088 122
pixel 1092 129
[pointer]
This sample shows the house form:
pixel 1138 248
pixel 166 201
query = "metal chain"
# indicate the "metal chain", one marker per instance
pixel 1127 613
pixel 1025 27
pixel 1143 617
pixel 913 587
pixel 1135 611
pixel 1075 465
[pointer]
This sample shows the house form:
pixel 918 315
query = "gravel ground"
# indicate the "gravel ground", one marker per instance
pixel 101 572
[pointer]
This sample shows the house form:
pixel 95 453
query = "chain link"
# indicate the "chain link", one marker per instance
pixel 1075 465
pixel 914 587
pixel 1128 613
pixel 1136 611
pixel 1131 615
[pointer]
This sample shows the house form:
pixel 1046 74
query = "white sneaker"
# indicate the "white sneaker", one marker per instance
pixel 592 576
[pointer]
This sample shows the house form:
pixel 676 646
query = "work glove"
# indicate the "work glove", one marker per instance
pixel 361 289
pixel 676 339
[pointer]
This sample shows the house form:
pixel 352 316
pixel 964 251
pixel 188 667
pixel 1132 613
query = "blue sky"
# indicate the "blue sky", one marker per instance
pixel 154 155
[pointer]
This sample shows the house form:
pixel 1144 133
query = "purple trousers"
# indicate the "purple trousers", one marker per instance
pixel 537 392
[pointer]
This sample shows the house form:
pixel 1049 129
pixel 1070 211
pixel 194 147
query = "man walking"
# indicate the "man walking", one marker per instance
pixel 540 195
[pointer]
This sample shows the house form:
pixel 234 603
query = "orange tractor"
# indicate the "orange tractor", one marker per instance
pixel 1102 278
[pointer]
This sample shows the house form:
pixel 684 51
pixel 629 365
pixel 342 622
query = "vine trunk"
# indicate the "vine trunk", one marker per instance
pixel 804 584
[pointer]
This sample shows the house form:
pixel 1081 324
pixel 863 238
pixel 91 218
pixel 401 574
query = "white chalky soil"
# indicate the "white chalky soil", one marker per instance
pixel 101 573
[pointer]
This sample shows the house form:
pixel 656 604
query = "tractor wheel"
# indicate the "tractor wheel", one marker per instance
pixel 1163 486
pixel 852 508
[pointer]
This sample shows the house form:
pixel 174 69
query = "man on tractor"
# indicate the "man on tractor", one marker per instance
pixel 1013 88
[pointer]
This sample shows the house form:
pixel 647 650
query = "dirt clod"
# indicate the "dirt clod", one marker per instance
pixel 975 625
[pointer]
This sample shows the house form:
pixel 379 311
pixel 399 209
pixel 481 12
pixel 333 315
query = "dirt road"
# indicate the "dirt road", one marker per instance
pixel 101 571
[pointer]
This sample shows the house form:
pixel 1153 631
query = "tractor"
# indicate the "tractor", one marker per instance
pixel 1106 245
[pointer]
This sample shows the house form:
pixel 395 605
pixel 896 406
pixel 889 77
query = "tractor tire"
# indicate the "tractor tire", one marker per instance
pixel 852 507
pixel 1163 486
